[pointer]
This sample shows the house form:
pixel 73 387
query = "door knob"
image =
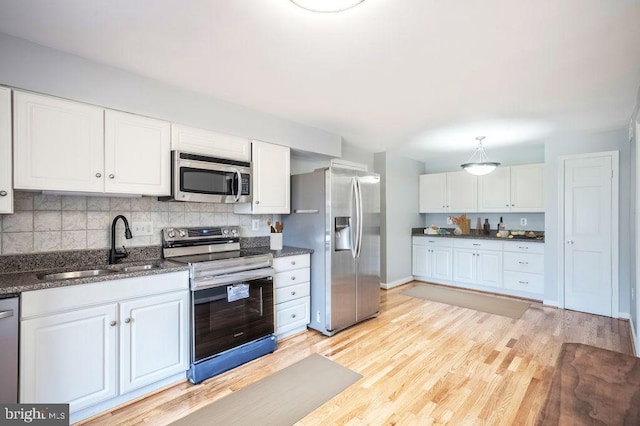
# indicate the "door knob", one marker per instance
pixel 570 242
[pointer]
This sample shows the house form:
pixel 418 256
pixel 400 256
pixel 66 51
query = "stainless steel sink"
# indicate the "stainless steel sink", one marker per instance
pixel 76 274
pixel 138 268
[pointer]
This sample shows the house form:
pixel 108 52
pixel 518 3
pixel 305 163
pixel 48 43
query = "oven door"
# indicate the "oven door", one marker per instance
pixel 230 315
pixel 207 179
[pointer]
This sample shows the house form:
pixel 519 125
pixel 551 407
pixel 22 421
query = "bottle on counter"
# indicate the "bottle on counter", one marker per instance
pixel 501 225
pixel 478 227
pixel 487 227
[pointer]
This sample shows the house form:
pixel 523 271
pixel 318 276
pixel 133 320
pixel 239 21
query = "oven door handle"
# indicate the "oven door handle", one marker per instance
pixel 236 277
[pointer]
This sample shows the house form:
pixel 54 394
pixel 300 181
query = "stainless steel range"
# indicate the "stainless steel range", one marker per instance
pixel 232 320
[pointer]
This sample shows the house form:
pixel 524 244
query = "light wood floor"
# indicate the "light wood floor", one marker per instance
pixel 423 363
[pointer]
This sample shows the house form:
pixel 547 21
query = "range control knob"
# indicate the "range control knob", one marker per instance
pixel 225 231
pixel 234 232
pixel 182 233
pixel 171 233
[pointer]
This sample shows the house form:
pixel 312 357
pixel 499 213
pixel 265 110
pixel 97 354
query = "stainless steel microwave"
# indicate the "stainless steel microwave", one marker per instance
pixel 204 179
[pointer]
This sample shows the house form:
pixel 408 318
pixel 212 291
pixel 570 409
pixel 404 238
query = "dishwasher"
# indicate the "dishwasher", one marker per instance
pixel 9 349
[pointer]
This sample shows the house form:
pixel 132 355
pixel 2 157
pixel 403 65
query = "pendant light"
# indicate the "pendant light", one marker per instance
pixel 326 6
pixel 479 164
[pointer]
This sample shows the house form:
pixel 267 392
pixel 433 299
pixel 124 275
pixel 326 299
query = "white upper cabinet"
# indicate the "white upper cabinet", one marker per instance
pixel 448 192
pixel 58 144
pixel 494 191
pixel 6 187
pixel 61 145
pixel 137 154
pixel 512 189
pixel 206 142
pixel 527 183
pixel 433 193
pixel 270 180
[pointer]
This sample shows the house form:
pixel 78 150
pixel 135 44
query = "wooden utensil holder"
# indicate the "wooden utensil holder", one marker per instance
pixel 465 226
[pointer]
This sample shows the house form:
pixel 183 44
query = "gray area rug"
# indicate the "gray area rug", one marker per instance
pixel 479 302
pixel 282 398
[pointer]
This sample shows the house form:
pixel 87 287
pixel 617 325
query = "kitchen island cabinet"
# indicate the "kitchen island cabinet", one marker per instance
pixel 97 345
pixel 62 145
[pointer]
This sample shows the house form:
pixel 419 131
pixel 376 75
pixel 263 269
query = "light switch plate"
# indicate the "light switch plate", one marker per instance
pixel 140 229
pixel 255 224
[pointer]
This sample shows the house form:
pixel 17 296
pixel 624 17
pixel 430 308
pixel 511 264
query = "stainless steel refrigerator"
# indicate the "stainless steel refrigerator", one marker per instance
pixel 336 212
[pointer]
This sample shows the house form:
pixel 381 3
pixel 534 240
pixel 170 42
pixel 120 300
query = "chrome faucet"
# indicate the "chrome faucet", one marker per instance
pixel 114 254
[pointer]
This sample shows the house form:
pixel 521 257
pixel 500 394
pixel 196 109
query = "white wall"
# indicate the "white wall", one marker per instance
pixel 615 140
pixel 41 69
pixel 399 196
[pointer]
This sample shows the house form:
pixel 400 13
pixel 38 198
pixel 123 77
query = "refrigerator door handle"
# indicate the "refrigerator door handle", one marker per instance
pixel 354 228
pixel 359 215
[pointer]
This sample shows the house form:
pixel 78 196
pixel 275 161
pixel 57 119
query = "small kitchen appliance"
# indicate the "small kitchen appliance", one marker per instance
pixel 232 314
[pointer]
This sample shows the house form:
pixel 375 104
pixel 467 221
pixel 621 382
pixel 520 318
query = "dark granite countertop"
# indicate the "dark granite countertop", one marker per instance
pixel 21 272
pixel 419 232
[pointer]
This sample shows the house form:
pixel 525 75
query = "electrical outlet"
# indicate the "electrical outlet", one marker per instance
pixel 449 222
pixel 633 293
pixel 523 221
pixel 317 316
pixel 255 224
pixel 140 229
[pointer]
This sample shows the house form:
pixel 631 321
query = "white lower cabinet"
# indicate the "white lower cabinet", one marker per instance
pixel 524 267
pixel 478 262
pixel 433 258
pixel 88 344
pixel 69 357
pixel 508 267
pixel 292 294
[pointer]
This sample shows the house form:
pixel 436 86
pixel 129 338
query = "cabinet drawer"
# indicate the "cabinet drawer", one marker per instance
pixel 283 279
pixel 478 244
pixel 433 241
pixel 524 262
pixel 292 292
pixel 524 247
pixel 288 263
pixel 292 314
pixel 522 281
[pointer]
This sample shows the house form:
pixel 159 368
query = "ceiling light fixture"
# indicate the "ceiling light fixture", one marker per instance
pixel 479 164
pixel 326 6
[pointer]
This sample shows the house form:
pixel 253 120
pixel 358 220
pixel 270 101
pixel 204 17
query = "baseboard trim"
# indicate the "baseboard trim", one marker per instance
pixel 624 315
pixel 552 303
pixel 396 283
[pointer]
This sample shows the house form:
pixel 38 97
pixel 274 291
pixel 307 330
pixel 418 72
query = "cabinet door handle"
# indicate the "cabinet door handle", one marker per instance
pixel 3 193
pixel 127 320
pixel 570 242
pixel 476 244
pixel 111 176
pixel 513 205
pixel 293 262
pixel 525 248
pixel 293 293
pixel 523 282
pixel 523 263
pixel 293 278
pixel 507 205
pixel 293 315
pixel 113 323
pixel 257 202
pixel 98 175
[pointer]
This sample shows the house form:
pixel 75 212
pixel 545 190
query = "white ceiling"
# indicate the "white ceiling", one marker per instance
pixel 421 77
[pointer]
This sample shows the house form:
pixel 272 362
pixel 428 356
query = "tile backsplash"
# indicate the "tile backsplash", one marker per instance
pixel 42 222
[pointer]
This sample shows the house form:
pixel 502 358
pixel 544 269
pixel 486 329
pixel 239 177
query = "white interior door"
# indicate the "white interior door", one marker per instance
pixel 588 234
